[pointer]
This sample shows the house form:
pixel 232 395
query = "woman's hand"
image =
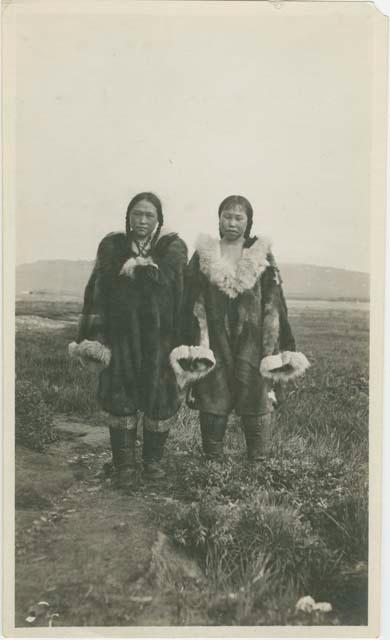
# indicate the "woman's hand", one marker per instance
pixel 140 268
pixel 148 271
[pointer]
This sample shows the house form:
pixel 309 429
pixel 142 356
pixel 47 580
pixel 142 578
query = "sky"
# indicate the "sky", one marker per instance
pixel 272 106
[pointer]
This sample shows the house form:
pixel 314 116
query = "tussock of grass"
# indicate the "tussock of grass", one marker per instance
pixel 66 387
pixel 33 419
pixel 230 536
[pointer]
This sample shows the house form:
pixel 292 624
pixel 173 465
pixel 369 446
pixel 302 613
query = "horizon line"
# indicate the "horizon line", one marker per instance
pixel 301 264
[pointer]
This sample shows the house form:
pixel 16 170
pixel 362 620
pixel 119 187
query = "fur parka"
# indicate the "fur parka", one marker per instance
pixel 235 330
pixel 130 321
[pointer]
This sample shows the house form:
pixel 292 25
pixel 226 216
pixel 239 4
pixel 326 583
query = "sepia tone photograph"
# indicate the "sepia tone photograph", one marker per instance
pixel 194 223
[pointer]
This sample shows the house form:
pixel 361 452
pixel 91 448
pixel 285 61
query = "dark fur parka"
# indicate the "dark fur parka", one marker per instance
pixel 133 308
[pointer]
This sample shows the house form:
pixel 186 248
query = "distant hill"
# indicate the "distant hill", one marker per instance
pixel 59 276
pixel 324 283
pixel 299 280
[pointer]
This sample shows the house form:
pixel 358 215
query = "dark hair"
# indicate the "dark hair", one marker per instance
pixel 154 200
pixel 239 201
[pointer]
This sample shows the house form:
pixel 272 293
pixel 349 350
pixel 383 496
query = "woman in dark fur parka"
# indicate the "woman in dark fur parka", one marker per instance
pixel 236 334
pixel 130 323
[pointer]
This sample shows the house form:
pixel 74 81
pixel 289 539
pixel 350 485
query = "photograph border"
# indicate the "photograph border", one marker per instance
pixel 377 300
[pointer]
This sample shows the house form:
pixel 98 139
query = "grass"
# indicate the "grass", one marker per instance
pixel 54 309
pixel 315 477
pixel 267 535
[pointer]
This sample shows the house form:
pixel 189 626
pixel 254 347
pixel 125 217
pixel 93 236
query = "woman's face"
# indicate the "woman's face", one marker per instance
pixel 233 222
pixel 143 219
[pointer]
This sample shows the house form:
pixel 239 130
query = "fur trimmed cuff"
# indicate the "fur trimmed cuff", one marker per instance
pixel 191 363
pixel 131 264
pixel 284 366
pixel 90 350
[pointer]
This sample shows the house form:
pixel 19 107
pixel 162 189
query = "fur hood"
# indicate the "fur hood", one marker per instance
pixel 233 280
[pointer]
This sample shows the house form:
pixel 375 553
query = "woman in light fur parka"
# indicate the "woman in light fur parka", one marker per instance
pixel 237 340
pixel 130 322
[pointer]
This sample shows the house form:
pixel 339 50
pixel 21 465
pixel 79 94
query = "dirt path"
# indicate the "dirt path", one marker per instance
pixel 94 557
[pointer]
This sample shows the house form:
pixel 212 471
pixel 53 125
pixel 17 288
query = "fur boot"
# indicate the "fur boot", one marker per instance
pixel 213 430
pixel 257 430
pixel 123 457
pixel 155 437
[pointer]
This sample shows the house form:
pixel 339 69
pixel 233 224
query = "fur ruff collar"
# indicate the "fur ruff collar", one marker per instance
pixel 233 280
